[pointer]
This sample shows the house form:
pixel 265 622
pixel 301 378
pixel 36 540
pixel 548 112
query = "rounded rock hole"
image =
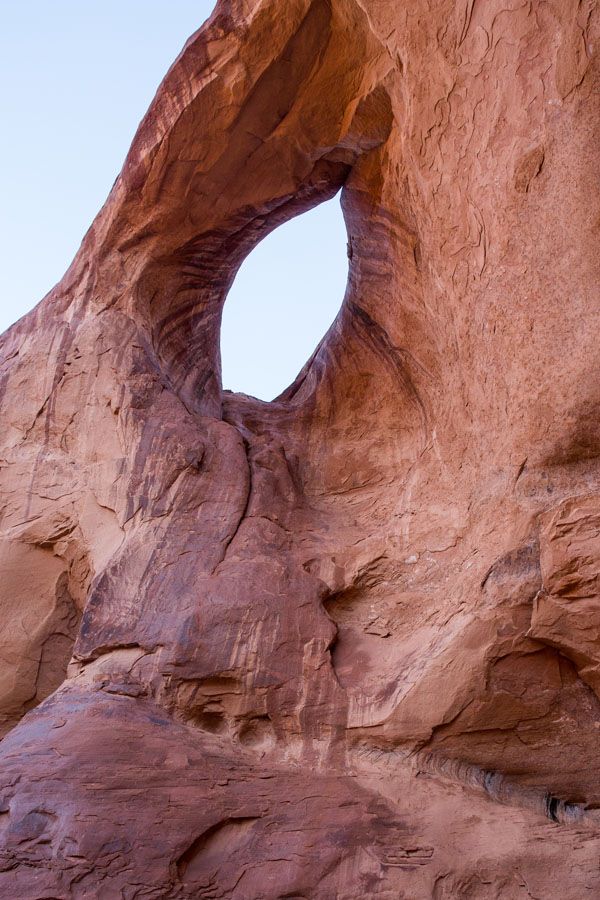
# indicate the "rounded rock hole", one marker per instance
pixel 286 295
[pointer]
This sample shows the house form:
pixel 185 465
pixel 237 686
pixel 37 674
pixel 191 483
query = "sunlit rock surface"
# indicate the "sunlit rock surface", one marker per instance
pixel 346 644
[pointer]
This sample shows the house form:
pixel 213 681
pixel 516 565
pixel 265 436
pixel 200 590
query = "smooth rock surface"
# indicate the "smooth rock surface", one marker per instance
pixel 344 644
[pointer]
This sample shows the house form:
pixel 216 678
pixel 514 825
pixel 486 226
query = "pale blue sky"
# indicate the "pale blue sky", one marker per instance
pixel 75 79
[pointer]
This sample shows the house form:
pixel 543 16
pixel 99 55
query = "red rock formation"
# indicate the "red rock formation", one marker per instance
pixel 344 644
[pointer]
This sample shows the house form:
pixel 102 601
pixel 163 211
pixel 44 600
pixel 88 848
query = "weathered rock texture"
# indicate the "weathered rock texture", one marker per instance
pixel 345 644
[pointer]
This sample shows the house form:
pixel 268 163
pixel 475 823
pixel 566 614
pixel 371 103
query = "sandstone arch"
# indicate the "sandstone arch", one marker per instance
pixel 353 632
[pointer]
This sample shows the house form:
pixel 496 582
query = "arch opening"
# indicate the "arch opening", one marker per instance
pixel 285 297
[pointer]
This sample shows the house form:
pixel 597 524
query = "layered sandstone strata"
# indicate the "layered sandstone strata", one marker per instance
pixel 344 644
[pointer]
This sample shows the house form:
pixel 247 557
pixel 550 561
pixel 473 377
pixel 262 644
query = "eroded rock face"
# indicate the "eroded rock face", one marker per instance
pixel 344 644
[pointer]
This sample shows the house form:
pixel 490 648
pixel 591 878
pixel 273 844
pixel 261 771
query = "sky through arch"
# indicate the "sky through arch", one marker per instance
pixel 284 298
